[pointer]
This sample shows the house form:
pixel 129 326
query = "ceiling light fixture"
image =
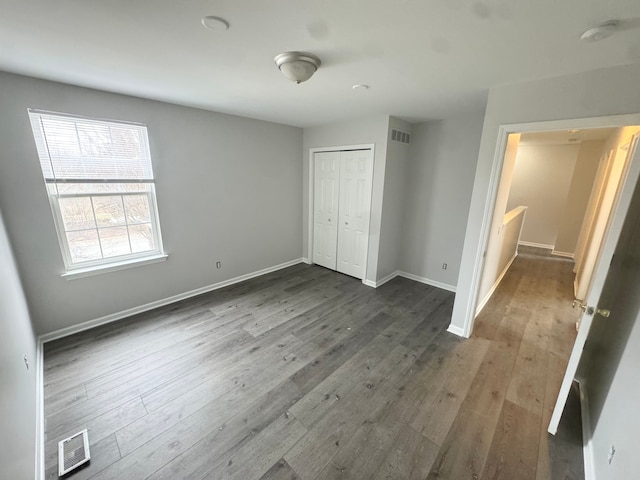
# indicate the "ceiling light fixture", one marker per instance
pixel 215 24
pixel 297 66
pixel 600 32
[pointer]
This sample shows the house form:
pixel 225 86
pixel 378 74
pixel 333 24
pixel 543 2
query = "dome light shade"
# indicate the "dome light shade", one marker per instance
pixel 602 31
pixel 297 66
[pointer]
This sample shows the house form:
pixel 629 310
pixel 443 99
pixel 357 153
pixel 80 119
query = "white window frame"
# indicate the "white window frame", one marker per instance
pixel 104 264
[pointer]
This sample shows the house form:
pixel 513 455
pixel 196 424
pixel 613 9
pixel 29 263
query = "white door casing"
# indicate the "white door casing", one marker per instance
pixel 356 169
pixel 325 202
pixel 601 269
pixel 477 234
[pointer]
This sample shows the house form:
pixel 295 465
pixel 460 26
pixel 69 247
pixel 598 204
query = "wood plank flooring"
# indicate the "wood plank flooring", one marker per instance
pixel 307 374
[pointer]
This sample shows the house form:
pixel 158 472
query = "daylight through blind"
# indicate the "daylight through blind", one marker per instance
pixel 82 149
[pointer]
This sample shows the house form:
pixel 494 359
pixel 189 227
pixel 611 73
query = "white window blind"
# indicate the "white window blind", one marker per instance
pixel 82 149
pixel 100 183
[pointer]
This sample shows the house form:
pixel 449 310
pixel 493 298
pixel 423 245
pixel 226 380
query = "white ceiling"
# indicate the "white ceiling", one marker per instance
pixel 422 58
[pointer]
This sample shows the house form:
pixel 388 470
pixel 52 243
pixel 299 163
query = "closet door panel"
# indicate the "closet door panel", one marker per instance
pixel 356 168
pixel 325 218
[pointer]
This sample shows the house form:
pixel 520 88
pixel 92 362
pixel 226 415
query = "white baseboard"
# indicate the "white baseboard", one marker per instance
pixel 456 331
pixel 538 245
pixel 39 467
pixel 306 260
pixel 562 254
pixel 80 327
pixel 410 276
pixel 386 279
pixel 587 444
pixel 427 281
pixel 490 293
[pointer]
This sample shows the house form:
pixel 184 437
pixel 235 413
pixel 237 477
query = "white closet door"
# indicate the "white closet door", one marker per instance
pixel 356 168
pixel 325 218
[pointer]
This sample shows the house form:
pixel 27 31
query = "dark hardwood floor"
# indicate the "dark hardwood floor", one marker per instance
pixel 308 374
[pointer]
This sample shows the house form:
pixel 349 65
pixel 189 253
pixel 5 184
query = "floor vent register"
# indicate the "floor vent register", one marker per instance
pixel 73 452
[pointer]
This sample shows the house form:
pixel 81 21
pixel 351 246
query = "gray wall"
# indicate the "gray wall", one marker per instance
pixel 575 207
pixel 368 130
pixel 595 93
pixel 395 184
pixel 609 367
pixel 228 189
pixel 17 384
pixel 541 180
pixel 440 175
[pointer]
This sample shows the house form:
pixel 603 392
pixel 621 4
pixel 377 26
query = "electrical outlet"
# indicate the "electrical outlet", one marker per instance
pixel 444 266
pixel 218 264
pixel 612 453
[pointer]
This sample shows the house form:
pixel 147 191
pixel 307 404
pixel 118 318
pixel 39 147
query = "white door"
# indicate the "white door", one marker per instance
pixel 325 204
pixel 620 208
pixel 614 170
pixel 356 168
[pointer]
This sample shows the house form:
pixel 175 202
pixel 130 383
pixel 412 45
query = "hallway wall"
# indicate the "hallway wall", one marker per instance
pixel 541 181
pixel 573 215
pixel 493 255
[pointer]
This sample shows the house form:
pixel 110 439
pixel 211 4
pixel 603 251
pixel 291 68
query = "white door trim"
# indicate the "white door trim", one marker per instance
pixel 312 151
pixel 614 121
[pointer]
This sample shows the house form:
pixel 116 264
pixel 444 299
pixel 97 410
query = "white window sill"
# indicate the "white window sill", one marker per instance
pixel 113 267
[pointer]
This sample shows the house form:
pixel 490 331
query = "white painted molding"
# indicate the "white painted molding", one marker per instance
pixel 587 443
pixel 410 276
pixel 427 281
pixel 562 254
pixel 113 267
pixel 456 331
pixel 386 279
pixel 80 327
pixel 490 293
pixel 306 260
pixel 538 245
pixel 39 470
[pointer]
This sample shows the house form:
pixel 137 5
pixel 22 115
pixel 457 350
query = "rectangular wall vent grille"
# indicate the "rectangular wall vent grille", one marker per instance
pixel 399 136
pixel 73 452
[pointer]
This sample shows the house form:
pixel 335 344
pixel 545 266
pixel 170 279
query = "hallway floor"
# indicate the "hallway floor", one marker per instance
pixel 531 324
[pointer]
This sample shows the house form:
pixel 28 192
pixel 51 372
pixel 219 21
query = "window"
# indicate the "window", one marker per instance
pixel 100 182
